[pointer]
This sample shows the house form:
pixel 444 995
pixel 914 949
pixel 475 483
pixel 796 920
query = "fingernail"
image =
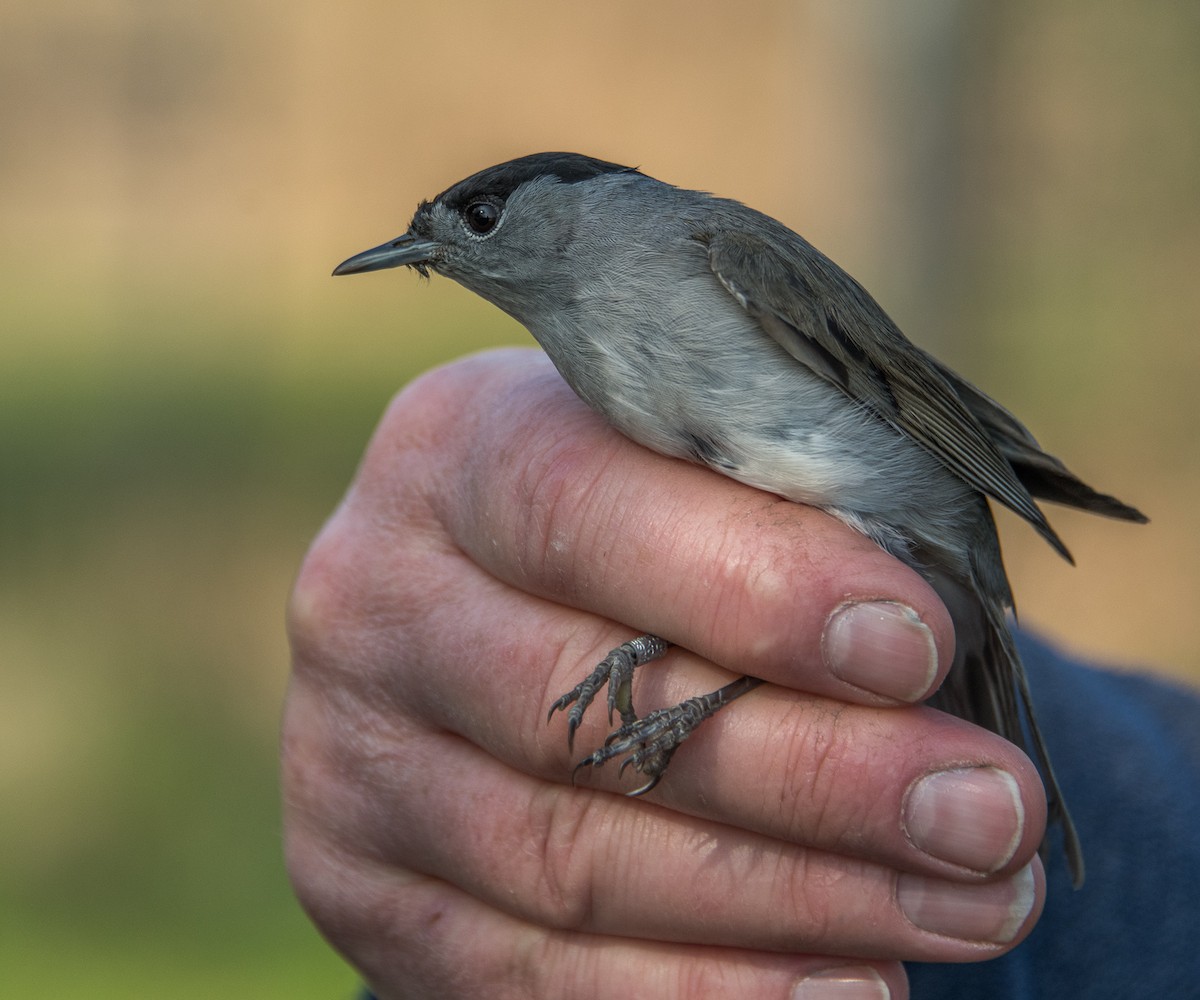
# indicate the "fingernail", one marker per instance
pixel 971 816
pixel 882 647
pixel 993 912
pixel 843 984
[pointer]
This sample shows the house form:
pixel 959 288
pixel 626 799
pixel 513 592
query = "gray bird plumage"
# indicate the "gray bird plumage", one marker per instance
pixel 708 331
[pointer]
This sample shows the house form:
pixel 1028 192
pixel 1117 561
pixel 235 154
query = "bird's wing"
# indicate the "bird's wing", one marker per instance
pixel 1043 475
pixel 824 319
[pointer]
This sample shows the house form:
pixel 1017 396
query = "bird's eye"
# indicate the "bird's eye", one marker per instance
pixel 481 216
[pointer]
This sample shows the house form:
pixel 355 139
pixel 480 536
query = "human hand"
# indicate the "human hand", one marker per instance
pixel 498 540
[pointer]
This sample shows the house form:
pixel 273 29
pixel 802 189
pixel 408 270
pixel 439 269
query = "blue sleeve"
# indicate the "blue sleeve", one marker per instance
pixel 1126 750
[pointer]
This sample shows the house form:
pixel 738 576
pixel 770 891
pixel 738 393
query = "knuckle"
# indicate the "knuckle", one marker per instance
pixel 823 756
pixel 321 602
pixel 349 614
pixel 809 902
pixel 565 491
pixel 314 874
pixel 568 826
pixel 748 582
pixel 759 578
pixel 411 417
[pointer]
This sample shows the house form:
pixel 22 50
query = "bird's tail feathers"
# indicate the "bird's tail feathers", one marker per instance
pixel 988 687
pixel 1020 725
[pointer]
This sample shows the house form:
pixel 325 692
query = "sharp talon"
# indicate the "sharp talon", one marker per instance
pixel 644 789
pixel 612 737
pixel 613 685
pixel 561 704
pixel 586 762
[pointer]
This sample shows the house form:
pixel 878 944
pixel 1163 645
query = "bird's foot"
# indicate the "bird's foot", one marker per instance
pixel 615 670
pixel 650 742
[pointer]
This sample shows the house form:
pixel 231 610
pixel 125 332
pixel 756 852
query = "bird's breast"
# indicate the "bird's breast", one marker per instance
pixel 688 373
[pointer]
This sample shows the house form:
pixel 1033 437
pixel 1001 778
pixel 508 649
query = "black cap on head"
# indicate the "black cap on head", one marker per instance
pixel 503 179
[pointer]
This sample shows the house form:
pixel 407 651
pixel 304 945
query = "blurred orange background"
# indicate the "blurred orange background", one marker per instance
pixel 186 392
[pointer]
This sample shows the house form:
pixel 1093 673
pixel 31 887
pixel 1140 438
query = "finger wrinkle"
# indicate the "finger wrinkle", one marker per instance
pixel 564 829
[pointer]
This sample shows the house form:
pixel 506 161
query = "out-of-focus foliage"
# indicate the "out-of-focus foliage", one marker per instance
pixel 185 394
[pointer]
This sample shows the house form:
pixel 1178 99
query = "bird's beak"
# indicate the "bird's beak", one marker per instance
pixel 408 249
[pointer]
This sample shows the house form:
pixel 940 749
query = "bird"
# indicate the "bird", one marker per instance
pixel 708 331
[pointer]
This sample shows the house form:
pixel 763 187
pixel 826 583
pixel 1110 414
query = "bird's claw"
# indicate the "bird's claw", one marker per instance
pixel 615 670
pixel 647 743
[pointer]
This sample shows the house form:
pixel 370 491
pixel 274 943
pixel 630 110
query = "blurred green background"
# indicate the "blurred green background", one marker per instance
pixel 185 392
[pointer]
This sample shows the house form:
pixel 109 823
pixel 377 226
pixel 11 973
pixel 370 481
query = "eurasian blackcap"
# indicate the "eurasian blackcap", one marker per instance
pixel 708 331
